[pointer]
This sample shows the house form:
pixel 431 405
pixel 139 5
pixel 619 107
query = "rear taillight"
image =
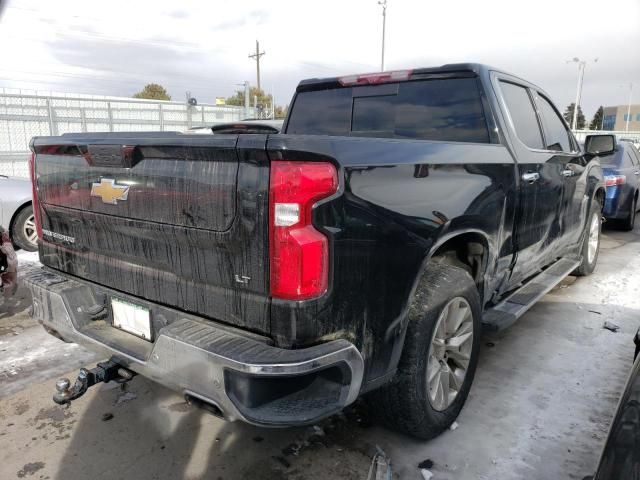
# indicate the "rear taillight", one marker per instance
pixel 611 180
pixel 299 254
pixel 34 193
pixel 375 78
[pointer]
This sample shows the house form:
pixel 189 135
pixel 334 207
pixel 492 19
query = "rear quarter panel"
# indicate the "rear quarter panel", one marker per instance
pixel 397 200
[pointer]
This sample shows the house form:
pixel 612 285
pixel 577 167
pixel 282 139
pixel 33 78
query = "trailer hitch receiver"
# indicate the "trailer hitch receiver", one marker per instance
pixel 103 372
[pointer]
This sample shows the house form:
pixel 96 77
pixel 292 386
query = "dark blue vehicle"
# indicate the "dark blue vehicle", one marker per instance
pixel 622 176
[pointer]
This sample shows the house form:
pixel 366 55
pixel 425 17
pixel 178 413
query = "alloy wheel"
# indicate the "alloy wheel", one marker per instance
pixel 594 238
pixel 449 353
pixel 29 230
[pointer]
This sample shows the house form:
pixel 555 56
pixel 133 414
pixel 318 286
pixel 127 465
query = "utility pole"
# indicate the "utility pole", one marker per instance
pixel 384 25
pixel 256 56
pixel 581 66
pixel 629 107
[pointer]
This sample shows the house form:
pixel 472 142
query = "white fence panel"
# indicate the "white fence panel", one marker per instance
pixel 25 116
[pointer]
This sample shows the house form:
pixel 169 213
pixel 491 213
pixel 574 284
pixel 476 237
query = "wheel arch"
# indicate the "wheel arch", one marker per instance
pixel 452 241
pixel 440 251
pixel 599 195
pixel 469 249
pixel 17 211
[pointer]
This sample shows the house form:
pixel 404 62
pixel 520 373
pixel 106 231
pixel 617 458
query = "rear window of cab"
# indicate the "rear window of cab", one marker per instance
pixel 439 109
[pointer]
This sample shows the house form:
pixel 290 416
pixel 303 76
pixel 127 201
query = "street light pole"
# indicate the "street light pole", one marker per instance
pixel 629 107
pixel 384 25
pixel 576 105
pixel 581 66
pixel 245 84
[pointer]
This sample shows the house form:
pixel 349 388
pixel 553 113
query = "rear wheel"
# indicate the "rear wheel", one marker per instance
pixel 24 233
pixel 630 221
pixel 591 243
pixel 439 358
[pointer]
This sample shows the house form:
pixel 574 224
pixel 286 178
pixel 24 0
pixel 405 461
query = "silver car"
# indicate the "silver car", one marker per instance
pixel 16 212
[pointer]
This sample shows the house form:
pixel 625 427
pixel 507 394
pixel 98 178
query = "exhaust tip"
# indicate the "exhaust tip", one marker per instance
pixel 208 406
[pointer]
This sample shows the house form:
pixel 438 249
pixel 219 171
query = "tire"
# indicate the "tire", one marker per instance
pixel 23 231
pixel 408 404
pixel 590 258
pixel 630 221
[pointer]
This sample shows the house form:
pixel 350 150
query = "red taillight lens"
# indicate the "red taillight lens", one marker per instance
pixel 34 194
pixel 299 254
pixel 611 180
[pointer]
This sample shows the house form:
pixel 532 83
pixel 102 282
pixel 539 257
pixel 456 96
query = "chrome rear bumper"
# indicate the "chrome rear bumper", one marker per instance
pixel 240 373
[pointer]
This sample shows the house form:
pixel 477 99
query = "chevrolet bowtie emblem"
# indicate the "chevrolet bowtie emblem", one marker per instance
pixel 109 192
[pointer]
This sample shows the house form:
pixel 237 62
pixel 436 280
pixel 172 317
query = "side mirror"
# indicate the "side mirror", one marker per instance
pixel 600 144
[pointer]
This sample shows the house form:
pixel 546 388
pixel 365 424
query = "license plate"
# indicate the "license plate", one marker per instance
pixel 131 318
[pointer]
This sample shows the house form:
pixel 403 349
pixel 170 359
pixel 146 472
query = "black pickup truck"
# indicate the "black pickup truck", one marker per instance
pixel 275 278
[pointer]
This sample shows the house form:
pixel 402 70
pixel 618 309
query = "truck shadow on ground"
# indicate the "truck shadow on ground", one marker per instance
pixel 155 435
pixel 533 395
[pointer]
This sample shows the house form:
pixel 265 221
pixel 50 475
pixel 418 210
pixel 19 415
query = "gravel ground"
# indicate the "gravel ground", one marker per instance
pixel 544 395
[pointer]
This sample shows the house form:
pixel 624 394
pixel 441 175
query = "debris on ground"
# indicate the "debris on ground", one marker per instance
pixel 426 474
pixel 291 449
pixel 107 416
pixel 314 437
pixel 453 426
pixel 258 439
pixel 595 311
pixel 428 463
pixel 30 469
pixel 611 326
pixel 380 468
pixel 490 344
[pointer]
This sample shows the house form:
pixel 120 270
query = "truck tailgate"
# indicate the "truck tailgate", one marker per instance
pixel 175 219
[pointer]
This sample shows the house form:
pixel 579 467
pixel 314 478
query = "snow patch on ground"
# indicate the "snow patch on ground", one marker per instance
pixel 27 257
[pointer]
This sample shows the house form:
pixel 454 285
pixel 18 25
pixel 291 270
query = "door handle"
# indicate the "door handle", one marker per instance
pixel 567 173
pixel 531 177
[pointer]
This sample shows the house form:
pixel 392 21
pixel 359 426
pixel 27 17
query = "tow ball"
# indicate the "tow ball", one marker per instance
pixel 104 372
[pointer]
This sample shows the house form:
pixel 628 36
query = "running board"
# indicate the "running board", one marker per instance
pixel 506 313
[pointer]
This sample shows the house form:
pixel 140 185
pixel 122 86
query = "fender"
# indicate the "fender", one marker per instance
pixel 397 329
pixel 400 320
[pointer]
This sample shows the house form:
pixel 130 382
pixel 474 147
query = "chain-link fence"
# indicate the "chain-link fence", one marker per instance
pixel 25 116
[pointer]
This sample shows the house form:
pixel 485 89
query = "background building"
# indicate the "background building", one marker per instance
pixel 615 118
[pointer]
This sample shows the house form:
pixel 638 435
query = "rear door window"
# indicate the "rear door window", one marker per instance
pixel 629 160
pixel 522 114
pixel 633 153
pixel 439 109
pixel 555 132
